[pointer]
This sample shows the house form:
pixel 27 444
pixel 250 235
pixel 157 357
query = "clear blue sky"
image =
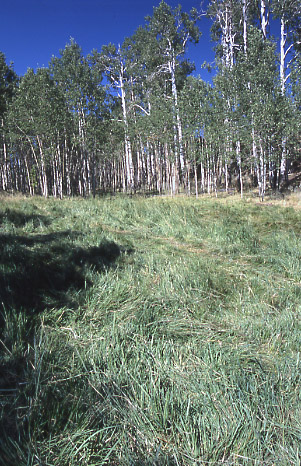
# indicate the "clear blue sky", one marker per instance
pixel 32 31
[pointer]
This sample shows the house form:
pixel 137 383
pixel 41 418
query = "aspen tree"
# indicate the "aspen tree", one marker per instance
pixel 80 84
pixel 226 15
pixel 112 62
pixel 289 13
pixel 173 29
pixel 8 82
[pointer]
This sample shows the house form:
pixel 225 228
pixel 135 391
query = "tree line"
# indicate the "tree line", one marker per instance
pixel 131 117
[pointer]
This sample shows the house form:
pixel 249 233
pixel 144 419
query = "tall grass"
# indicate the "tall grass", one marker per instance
pixel 149 332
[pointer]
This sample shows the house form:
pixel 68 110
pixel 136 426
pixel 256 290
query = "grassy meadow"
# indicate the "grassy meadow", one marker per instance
pixel 149 331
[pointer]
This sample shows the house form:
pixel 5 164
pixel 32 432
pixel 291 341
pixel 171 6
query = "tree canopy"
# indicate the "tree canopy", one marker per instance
pixel 132 117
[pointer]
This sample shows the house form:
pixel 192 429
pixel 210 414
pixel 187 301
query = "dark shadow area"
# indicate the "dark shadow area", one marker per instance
pixel 40 271
pixel 139 192
pixel 7 239
pixel 293 184
pixel 20 219
pixel 37 272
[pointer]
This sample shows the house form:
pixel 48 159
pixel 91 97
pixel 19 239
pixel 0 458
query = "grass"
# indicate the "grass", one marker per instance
pixel 150 331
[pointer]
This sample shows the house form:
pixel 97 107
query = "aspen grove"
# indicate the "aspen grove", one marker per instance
pixel 133 118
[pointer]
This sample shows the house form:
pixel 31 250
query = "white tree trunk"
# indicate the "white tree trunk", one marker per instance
pixel 245 24
pixel 178 125
pixel 283 79
pixel 264 17
pixel 238 158
pixel 43 169
pixel 127 143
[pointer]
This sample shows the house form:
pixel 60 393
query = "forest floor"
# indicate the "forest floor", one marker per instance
pixel 150 331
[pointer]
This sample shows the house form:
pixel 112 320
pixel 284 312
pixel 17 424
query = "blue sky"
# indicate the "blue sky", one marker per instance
pixel 32 31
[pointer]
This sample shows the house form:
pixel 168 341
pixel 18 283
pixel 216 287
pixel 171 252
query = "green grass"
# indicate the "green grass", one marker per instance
pixel 149 332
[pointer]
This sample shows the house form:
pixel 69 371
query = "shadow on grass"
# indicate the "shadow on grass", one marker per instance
pixel 40 271
pixel 37 272
pixel 20 219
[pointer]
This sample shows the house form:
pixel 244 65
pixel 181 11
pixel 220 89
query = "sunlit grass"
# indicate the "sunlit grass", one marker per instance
pixel 162 331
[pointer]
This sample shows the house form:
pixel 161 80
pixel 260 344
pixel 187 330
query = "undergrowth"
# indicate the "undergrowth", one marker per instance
pixel 149 332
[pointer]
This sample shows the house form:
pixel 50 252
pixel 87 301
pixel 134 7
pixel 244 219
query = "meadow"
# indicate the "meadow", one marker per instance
pixel 149 331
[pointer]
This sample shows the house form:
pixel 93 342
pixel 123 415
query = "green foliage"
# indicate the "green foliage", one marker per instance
pixel 171 27
pixel 8 81
pixel 131 118
pixel 38 107
pixel 178 345
pixel 296 78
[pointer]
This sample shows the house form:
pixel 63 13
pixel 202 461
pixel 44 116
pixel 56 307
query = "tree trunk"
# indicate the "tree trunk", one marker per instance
pixel 238 158
pixel 262 171
pixel 283 53
pixel 264 17
pixel 178 133
pixel 43 169
pixel 127 143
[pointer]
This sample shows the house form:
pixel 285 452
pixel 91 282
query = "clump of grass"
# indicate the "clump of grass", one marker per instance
pixel 178 346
